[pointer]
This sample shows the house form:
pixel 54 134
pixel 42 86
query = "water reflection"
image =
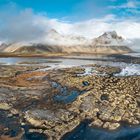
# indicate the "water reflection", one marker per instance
pixel 56 63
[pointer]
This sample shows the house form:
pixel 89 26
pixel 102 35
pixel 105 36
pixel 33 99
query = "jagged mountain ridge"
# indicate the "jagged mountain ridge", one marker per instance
pixel 109 42
pixel 54 38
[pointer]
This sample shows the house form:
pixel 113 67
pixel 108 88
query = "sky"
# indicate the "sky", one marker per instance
pixel 30 20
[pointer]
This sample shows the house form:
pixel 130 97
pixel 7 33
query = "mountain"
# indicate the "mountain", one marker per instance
pixel 109 38
pixel 3 46
pixel 13 47
pixel 56 39
pixel 109 42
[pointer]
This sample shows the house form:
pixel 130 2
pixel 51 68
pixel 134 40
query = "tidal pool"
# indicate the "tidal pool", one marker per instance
pixel 84 132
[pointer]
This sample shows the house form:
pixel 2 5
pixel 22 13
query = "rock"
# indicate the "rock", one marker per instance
pixel 97 123
pixel 4 106
pixel 106 101
pixel 14 111
pixel 111 126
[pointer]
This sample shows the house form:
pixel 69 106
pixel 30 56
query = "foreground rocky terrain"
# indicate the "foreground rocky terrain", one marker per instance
pixel 43 104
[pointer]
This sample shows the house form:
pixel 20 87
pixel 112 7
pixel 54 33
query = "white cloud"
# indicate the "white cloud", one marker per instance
pixel 133 11
pixel 22 26
pixel 92 28
pixel 131 4
pixel 30 27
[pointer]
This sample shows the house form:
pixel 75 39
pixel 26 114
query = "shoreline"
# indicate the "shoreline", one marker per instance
pixel 57 54
pixel 99 57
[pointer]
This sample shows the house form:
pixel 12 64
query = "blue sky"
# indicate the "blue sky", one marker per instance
pixel 77 10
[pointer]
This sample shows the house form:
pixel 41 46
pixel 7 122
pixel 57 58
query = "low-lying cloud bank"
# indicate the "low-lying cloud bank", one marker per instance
pixel 30 27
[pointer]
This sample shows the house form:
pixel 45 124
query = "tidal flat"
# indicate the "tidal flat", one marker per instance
pixel 70 98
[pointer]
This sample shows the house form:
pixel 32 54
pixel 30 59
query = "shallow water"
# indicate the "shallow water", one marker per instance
pixel 84 132
pixel 32 135
pixel 134 54
pixel 56 63
pixel 65 96
pixel 26 60
pixel 70 97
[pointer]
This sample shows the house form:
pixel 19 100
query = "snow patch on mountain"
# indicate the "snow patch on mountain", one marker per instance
pixel 15 46
pixel 109 38
pixel 54 38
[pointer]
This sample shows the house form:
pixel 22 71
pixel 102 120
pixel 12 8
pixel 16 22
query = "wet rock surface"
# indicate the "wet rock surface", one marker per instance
pixel 54 102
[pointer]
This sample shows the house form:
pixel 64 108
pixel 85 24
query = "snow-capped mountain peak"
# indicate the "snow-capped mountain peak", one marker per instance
pixel 53 33
pixel 109 42
pixel 109 38
pixel 112 34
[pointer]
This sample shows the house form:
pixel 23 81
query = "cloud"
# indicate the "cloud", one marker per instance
pixel 129 29
pixel 135 43
pixel 22 26
pixel 129 4
pixel 134 11
pixel 27 26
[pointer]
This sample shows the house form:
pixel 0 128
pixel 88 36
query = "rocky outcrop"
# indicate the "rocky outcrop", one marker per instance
pixel 105 100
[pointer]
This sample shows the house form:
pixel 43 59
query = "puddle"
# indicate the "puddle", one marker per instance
pixel 11 123
pixel 10 126
pixel 70 97
pixel 34 136
pixel 65 96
